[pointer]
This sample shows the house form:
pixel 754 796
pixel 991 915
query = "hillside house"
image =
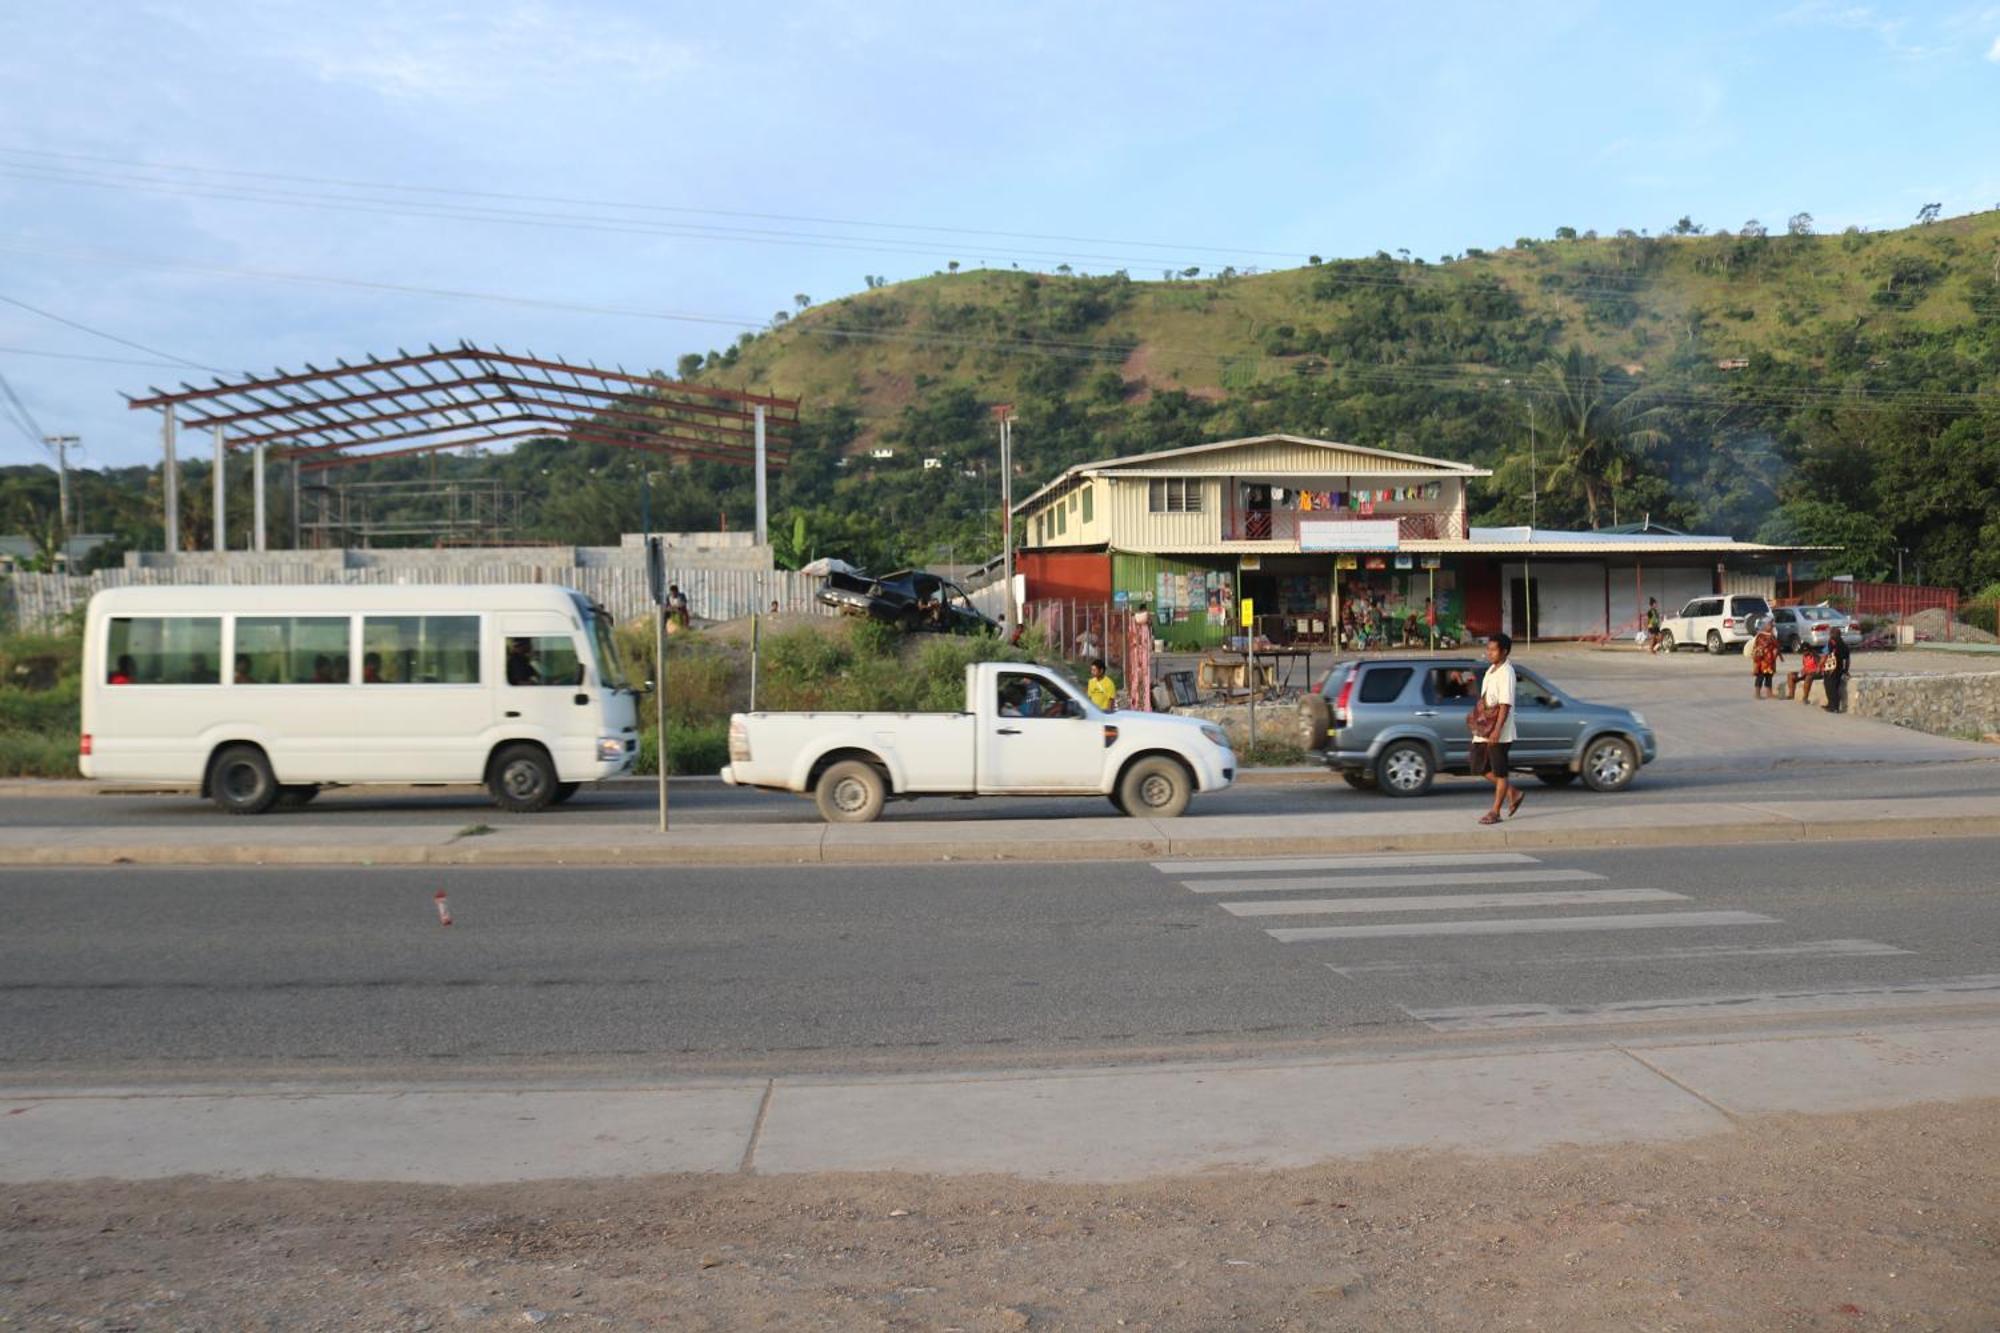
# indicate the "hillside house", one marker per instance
pixel 1298 525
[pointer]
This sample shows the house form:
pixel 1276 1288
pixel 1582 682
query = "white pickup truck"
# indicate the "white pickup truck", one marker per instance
pixel 1025 731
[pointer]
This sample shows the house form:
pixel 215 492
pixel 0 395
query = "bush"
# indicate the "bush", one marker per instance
pixel 696 749
pixel 53 711
pixel 33 755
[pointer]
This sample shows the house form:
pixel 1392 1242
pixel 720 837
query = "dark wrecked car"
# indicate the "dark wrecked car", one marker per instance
pixel 910 599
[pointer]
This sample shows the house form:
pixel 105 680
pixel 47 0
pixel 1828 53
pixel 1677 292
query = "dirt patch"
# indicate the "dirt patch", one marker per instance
pixel 1852 1222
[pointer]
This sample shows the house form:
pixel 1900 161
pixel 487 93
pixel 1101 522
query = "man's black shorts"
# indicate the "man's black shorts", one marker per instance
pixel 1489 757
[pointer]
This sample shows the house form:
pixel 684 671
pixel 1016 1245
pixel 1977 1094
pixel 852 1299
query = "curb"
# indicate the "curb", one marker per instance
pixel 818 850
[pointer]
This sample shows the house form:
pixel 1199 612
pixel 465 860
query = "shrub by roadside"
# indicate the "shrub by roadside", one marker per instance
pixel 40 708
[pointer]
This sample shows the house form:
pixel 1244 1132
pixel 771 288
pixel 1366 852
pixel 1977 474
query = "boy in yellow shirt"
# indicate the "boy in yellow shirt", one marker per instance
pixel 1102 692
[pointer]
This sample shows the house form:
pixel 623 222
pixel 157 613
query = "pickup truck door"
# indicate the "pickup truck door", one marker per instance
pixel 1035 736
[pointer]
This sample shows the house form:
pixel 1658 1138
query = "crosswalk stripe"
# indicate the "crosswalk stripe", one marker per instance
pixel 1910 995
pixel 1691 953
pixel 1525 925
pixel 1384 861
pixel 1444 902
pixel 1422 879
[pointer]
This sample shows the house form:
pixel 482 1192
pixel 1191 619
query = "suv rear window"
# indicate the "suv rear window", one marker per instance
pixel 1385 685
pixel 1752 606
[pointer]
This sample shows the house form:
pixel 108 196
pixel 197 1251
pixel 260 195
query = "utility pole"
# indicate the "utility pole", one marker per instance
pixel 1005 413
pixel 62 444
pixel 1534 521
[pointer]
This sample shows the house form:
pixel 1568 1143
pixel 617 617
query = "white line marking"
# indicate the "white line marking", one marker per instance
pixel 1912 995
pixel 1417 881
pixel 1444 902
pixel 1692 953
pixel 1384 861
pixel 1525 926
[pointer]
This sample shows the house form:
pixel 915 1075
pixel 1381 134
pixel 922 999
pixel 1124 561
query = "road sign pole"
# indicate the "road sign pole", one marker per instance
pixel 656 584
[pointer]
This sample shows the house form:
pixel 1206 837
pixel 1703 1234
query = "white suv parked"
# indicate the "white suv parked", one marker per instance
pixel 1715 623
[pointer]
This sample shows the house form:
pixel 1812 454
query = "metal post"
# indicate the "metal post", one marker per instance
pixel 763 517
pixel 170 482
pixel 1430 617
pixel 660 702
pixel 257 479
pixel 756 647
pixel 220 524
pixel 297 521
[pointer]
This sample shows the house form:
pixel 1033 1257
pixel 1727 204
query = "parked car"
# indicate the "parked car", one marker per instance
pixel 1812 626
pixel 909 599
pixel 1395 723
pixel 1715 623
pixel 1025 731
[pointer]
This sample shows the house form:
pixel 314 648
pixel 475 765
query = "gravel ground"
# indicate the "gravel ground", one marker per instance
pixel 1884 1220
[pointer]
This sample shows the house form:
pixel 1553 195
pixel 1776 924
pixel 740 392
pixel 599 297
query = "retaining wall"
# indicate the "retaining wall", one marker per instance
pixel 1961 704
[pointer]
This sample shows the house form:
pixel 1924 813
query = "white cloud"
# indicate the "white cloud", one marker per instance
pixel 1994 53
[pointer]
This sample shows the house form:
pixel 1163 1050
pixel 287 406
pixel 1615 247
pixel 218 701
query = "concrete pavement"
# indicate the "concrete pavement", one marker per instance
pixel 1378 824
pixel 1087 1125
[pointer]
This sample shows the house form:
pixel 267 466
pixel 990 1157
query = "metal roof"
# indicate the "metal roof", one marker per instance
pixel 467 397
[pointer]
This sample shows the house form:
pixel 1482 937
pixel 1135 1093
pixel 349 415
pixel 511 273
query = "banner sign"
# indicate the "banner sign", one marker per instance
pixel 1347 535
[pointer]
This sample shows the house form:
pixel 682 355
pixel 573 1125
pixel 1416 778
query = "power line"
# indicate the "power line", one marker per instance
pixel 83 356
pixel 970 232
pixel 109 337
pixel 23 419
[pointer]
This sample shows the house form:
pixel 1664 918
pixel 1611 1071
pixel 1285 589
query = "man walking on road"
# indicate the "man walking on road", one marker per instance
pixel 1493 729
pixel 1833 670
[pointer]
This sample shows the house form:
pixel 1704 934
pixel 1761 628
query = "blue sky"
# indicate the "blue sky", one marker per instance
pixel 876 138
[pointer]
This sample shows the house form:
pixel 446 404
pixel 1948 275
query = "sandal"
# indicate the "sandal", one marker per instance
pixel 1489 818
pixel 1514 803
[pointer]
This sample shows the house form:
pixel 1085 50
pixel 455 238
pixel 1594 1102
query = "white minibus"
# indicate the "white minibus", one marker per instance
pixel 263 695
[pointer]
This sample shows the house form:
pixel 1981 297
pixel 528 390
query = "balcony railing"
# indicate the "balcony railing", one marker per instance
pixel 1264 525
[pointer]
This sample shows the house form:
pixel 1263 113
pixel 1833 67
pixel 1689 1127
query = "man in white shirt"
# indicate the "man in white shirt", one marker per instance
pixel 1493 729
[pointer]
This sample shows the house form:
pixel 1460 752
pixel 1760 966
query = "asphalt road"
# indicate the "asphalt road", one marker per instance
pixel 706 801
pixel 136 973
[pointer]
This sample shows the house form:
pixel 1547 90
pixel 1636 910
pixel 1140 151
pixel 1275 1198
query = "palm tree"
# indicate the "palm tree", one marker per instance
pixel 1600 426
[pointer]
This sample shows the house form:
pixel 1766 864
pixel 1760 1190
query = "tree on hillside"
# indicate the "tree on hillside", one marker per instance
pixel 1754 229
pixel 1799 224
pixel 1595 419
pixel 801 300
pixel 1687 226
pixel 1928 214
pixel 951 266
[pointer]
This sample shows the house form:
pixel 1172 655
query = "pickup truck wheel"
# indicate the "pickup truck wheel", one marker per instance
pixel 1358 780
pixel 1155 787
pixel 1405 769
pixel 851 792
pixel 1715 643
pixel 1667 644
pixel 1609 764
pixel 1556 777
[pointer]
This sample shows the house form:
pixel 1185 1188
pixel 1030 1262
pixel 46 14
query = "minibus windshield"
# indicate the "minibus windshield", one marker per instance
pixel 610 669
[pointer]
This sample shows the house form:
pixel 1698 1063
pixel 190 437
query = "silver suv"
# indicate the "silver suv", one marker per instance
pixel 1394 723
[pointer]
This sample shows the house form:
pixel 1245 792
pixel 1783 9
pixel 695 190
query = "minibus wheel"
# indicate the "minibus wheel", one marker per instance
pixel 240 780
pixel 522 779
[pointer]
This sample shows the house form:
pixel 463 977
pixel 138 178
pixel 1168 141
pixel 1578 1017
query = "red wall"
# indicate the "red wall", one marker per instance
pixel 1066 575
pixel 1481 582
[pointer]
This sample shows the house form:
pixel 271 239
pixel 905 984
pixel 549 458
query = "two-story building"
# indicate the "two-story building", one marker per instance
pixel 1301 526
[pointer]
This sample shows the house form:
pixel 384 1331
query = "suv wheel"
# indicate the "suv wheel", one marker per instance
pixel 1610 764
pixel 1715 642
pixel 1405 769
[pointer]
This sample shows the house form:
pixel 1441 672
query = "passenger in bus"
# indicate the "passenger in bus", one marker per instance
pixel 125 671
pixel 371 668
pixel 243 676
pixel 521 669
pixel 323 670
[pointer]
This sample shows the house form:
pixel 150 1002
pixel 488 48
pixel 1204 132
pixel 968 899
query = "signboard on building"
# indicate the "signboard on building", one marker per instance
pixel 1347 534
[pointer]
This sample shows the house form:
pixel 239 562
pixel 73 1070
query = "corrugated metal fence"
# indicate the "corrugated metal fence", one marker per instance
pixel 42 600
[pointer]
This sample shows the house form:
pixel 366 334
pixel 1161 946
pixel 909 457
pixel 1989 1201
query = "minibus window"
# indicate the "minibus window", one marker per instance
pixel 543 659
pixel 291 650
pixel 420 650
pixel 164 650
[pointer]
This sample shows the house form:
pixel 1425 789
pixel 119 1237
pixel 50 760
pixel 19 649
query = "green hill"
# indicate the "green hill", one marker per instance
pixel 1834 389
